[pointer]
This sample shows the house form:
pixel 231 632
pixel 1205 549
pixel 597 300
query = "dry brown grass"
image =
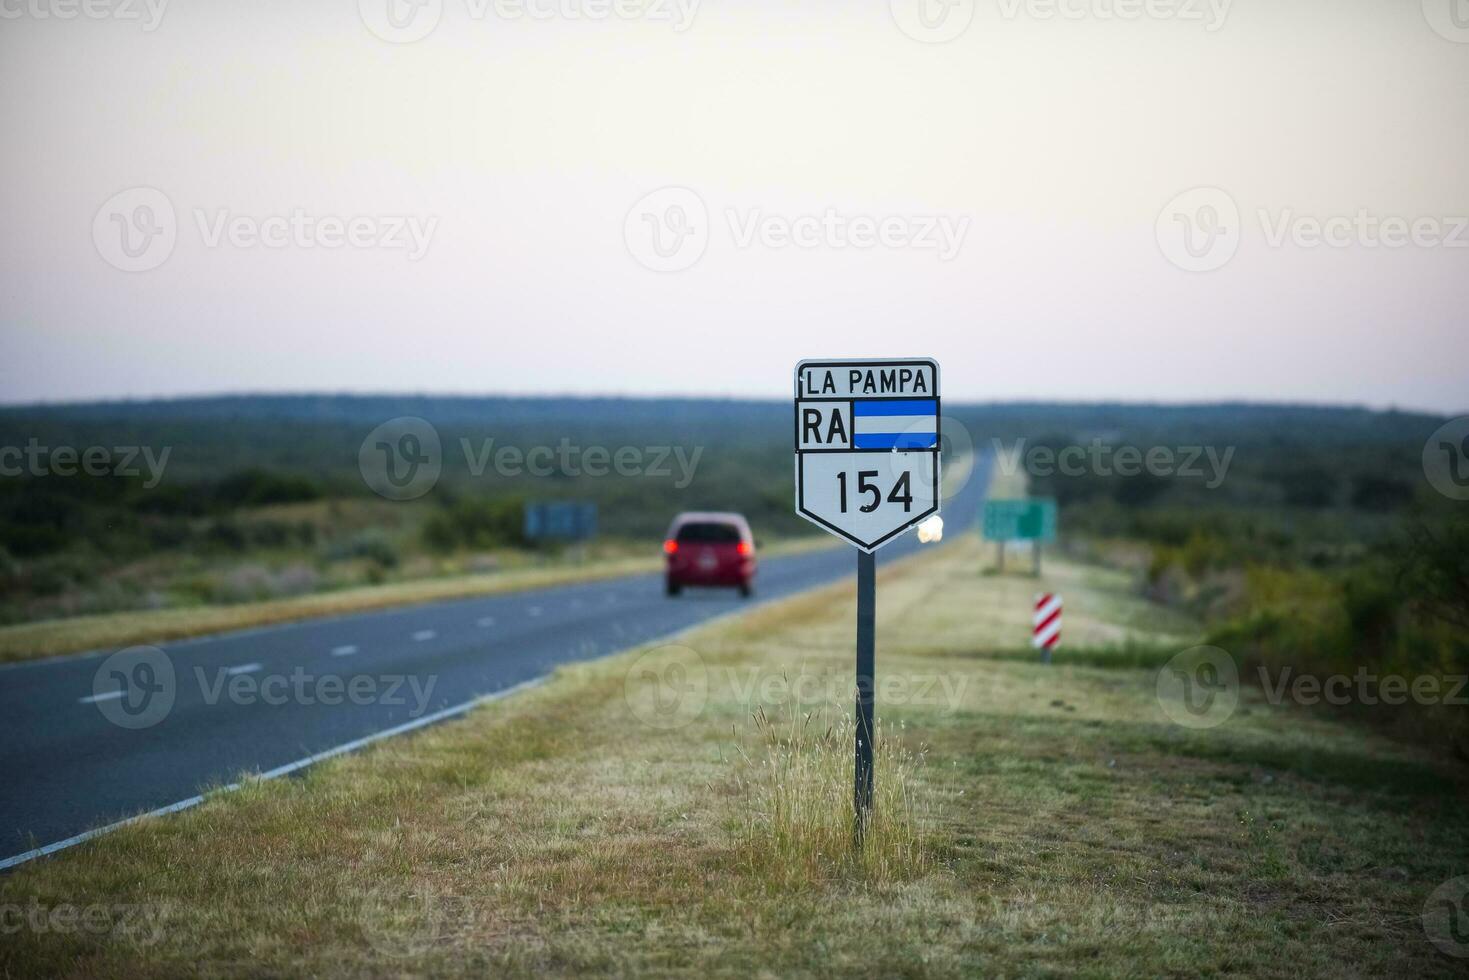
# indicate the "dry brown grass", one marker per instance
pixel 1061 827
pixel 797 780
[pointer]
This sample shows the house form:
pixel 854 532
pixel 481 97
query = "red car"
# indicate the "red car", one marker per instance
pixel 706 548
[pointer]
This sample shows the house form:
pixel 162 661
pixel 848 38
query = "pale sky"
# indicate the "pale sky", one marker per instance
pixel 1047 147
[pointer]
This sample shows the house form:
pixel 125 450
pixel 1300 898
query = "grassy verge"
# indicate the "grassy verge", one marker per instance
pixel 28 641
pixel 633 817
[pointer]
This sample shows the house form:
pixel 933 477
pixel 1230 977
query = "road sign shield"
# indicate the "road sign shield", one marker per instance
pixel 867 446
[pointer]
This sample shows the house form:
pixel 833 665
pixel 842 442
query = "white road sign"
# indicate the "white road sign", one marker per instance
pixel 867 446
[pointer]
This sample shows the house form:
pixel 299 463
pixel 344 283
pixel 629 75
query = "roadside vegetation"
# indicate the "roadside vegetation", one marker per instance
pixel 631 819
pixel 1318 554
pixel 1304 537
pixel 245 512
pixel 201 504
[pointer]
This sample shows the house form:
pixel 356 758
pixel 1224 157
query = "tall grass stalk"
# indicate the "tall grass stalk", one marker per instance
pixel 798 780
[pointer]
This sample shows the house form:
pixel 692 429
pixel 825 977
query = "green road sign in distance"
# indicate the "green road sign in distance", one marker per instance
pixel 1020 520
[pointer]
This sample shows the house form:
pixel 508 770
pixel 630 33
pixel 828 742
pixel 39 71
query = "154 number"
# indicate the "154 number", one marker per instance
pixel 901 493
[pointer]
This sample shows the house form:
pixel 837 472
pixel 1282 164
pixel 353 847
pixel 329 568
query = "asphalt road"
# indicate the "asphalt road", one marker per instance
pixel 269 699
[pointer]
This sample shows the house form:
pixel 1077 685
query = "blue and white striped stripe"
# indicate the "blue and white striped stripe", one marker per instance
pixel 908 423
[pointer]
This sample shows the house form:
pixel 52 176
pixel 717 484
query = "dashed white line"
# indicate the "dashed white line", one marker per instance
pixel 486 621
pixel 423 635
pixel 249 668
pixel 534 611
pixel 275 773
pixel 344 651
pixel 104 696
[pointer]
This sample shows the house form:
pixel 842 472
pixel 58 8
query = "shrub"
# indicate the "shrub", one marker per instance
pixel 372 544
pixel 295 579
pixel 476 523
pixel 259 487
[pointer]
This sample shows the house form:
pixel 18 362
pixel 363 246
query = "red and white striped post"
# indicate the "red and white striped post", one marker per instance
pixel 1046 631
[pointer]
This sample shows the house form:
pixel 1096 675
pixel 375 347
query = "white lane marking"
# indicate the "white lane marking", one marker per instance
pixel 104 696
pixel 423 635
pixel 39 852
pixel 242 669
pixel 486 621
pixel 534 610
pixel 279 771
pixel 344 651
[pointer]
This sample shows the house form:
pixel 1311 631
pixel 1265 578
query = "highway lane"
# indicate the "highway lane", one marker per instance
pixel 257 700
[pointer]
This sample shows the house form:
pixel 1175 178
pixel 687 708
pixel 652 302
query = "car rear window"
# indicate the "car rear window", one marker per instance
pixel 708 532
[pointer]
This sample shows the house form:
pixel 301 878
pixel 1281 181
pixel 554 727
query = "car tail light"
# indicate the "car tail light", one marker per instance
pixel 670 546
pixel 743 548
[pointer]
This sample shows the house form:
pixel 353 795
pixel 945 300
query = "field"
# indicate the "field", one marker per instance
pixel 672 811
pixel 1307 537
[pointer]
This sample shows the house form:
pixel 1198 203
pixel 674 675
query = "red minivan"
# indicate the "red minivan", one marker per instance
pixel 707 548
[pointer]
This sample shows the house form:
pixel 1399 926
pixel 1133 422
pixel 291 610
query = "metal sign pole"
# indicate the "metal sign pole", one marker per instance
pixel 866 672
pixel 868 460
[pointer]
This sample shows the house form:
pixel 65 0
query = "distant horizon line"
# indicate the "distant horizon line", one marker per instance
pixel 6 405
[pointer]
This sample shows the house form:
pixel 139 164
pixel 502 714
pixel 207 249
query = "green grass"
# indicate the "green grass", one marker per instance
pixel 1039 821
